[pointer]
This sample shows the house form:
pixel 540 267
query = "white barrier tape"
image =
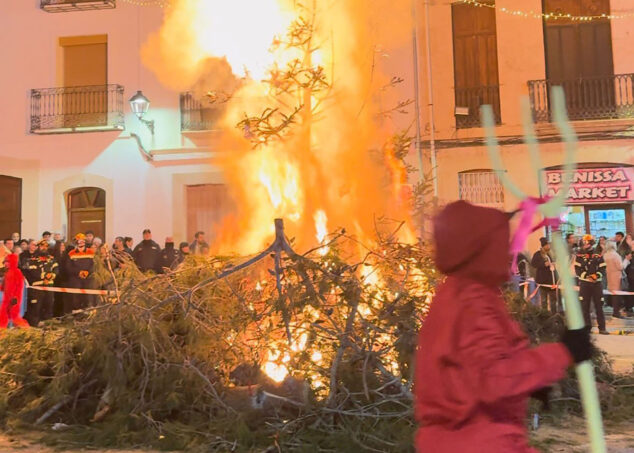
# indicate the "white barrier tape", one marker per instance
pixel 54 289
pixel 605 291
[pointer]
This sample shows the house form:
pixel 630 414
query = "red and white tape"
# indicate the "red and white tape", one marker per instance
pixel 605 291
pixel 54 289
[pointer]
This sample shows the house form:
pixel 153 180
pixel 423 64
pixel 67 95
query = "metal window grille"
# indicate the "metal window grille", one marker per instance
pixel 482 188
pixel 77 109
pixel 590 98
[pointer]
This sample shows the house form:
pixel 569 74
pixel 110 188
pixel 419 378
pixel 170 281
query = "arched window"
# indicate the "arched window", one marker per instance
pixel 481 187
pixel 86 211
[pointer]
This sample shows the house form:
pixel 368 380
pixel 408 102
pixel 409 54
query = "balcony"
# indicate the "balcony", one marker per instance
pixel 198 114
pixel 62 6
pixel 592 98
pixel 468 102
pixel 77 109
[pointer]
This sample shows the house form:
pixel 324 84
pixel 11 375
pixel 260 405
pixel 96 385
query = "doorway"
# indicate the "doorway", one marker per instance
pixel 207 206
pixel 10 206
pixel 86 211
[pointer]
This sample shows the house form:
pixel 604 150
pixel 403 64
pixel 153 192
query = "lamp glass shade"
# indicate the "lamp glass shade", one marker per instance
pixel 139 104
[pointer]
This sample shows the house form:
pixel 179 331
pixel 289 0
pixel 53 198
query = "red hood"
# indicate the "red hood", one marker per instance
pixel 472 241
pixel 12 261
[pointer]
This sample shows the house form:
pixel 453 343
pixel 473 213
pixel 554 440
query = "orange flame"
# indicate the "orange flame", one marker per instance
pixel 320 171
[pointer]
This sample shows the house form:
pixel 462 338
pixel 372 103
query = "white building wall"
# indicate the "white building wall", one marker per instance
pixel 139 194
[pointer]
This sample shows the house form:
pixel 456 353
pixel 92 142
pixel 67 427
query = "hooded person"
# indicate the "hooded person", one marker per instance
pixel 13 291
pixel 475 368
pixel 169 258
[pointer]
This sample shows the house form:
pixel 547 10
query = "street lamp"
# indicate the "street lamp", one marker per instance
pixel 140 105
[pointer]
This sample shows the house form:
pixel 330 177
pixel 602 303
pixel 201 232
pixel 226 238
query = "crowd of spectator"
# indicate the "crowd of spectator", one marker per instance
pixel 602 267
pixel 52 262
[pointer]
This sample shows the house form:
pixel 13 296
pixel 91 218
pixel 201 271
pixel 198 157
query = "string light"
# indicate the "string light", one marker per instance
pixel 159 3
pixel 549 16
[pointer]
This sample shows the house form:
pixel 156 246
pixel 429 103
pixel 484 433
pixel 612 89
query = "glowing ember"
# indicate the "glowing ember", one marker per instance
pixel 276 372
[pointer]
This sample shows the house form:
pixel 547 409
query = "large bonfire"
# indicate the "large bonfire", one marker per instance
pixel 304 105
pixel 278 342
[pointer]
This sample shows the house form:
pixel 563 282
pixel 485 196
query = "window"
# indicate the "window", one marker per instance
pixel 85 60
pixel 86 211
pixel 85 64
pixel 481 187
pixel 475 63
pixel 579 57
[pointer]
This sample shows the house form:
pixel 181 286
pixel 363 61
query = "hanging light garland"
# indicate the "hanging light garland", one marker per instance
pixel 158 3
pixel 549 16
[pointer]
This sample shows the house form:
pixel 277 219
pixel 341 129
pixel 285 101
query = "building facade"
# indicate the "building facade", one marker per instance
pixel 73 157
pixel 496 53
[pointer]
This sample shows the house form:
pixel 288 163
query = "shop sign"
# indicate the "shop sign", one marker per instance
pixel 593 185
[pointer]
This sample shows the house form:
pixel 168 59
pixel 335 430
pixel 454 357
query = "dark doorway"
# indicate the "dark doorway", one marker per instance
pixel 10 206
pixel 86 211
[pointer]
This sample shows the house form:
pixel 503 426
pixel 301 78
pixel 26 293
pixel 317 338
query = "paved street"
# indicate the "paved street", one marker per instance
pixel 620 348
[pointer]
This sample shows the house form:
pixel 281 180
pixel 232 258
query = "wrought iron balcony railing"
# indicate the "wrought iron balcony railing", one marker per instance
pixel 198 114
pixel 60 6
pixel 592 98
pixel 469 100
pixel 77 109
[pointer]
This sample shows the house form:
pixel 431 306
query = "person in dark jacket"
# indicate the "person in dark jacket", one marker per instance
pixel 146 253
pixel 170 257
pixel 183 248
pixel 128 242
pixel 475 367
pixel 26 255
pixel 196 247
pixel 589 267
pixel 622 247
pixel 31 272
pixel 46 270
pixel 545 274
pixel 79 269
pixel 60 254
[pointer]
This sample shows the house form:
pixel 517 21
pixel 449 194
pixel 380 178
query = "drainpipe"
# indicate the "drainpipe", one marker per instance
pixel 419 149
pixel 430 96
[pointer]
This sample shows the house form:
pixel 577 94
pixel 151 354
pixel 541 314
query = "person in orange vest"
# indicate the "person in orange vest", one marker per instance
pixel 79 270
pixel 13 291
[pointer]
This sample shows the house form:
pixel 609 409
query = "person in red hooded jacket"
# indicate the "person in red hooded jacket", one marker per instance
pixel 13 289
pixel 475 368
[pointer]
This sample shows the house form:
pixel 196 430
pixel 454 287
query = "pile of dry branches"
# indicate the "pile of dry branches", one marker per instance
pixel 281 350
